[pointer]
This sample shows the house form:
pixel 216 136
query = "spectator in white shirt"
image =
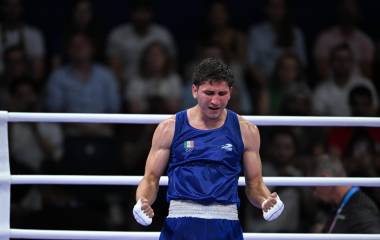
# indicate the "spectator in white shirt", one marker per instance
pixel 331 96
pixel 157 87
pixel 13 31
pixel 126 42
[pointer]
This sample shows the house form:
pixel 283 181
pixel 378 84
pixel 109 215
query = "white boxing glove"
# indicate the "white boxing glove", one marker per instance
pixel 140 216
pixel 275 211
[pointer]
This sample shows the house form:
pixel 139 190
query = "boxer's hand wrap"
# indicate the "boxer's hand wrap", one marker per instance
pixel 275 211
pixel 140 216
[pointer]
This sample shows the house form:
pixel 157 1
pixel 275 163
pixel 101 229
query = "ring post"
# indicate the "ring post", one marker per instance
pixel 5 178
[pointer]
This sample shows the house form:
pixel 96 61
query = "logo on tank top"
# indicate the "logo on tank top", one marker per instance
pixel 227 147
pixel 188 145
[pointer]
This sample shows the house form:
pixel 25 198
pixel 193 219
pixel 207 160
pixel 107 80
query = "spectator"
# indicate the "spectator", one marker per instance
pixel 157 88
pixel 82 85
pixel 220 31
pixel 270 39
pixel 362 102
pixel 296 101
pixel 15 67
pixel 81 20
pixel 331 97
pixel 361 105
pixel 287 75
pixel 13 31
pixel 352 210
pixel 345 31
pixel 127 42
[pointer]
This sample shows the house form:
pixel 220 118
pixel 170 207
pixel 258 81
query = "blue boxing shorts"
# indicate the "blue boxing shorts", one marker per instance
pixel 191 221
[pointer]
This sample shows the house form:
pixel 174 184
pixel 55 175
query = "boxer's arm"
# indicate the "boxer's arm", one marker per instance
pixel 255 189
pixel 156 164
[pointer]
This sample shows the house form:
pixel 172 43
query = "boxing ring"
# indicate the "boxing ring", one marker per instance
pixel 6 179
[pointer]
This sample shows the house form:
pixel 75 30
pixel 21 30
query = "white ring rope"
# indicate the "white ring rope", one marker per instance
pixel 156 118
pixel 6 179
pixel 97 235
pixel 134 180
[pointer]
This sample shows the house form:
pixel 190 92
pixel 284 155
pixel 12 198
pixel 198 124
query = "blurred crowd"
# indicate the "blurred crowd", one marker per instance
pixel 139 67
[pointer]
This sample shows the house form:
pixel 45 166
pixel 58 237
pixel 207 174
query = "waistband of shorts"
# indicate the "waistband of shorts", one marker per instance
pixel 185 208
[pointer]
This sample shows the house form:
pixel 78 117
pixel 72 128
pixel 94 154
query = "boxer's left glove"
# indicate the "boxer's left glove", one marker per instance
pixel 140 216
pixel 275 211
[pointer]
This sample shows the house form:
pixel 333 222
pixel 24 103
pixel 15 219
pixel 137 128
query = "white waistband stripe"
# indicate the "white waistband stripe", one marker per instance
pixel 181 208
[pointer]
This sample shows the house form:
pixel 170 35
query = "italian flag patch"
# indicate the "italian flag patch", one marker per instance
pixel 188 145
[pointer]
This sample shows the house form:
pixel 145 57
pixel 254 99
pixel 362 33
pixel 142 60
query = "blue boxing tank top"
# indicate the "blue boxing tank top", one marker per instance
pixel 205 165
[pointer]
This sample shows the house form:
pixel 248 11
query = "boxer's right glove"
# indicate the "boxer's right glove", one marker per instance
pixel 275 211
pixel 140 216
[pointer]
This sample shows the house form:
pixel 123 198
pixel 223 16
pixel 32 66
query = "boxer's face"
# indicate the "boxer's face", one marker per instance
pixel 212 97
